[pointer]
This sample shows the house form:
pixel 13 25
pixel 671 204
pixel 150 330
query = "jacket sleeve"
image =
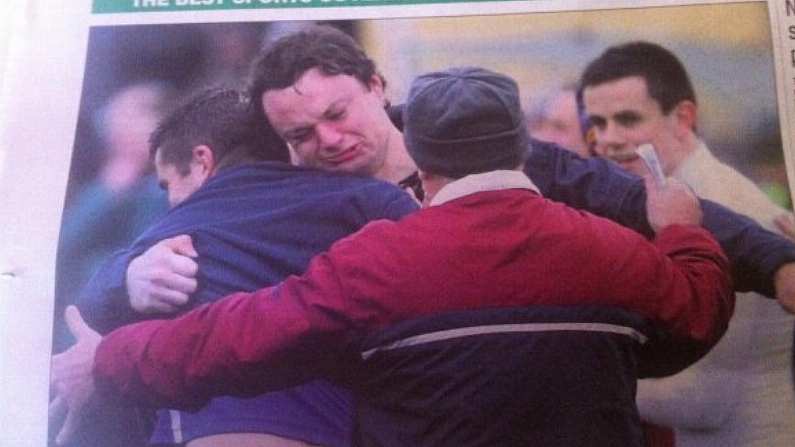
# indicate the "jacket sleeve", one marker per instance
pixel 700 282
pixel 601 187
pixel 693 298
pixel 104 302
pixel 397 204
pixel 243 344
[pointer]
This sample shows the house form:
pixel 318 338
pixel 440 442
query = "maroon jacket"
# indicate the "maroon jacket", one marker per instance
pixel 489 249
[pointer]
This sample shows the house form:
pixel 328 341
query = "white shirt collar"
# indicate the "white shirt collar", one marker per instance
pixel 693 162
pixel 487 181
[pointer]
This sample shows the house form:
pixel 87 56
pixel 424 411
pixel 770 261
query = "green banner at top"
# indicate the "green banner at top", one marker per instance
pixel 115 6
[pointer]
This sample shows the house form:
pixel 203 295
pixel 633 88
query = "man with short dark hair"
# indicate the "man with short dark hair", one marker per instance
pixel 212 131
pixel 638 93
pixel 657 105
pixel 244 219
pixel 439 322
pixel 327 100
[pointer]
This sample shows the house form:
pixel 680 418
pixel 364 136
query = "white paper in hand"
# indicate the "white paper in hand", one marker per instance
pixel 649 156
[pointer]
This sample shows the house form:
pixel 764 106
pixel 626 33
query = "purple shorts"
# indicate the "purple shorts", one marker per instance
pixel 316 412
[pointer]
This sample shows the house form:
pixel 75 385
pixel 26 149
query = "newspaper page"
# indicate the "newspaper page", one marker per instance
pixel 81 75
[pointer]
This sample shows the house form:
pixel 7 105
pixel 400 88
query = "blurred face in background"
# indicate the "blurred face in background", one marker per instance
pixel 560 123
pixel 125 124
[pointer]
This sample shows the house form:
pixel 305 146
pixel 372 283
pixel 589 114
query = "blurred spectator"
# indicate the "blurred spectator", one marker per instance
pixel 105 216
pixel 120 202
pixel 552 116
pixel 230 48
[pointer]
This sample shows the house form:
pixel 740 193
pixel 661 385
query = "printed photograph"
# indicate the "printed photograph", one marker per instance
pixel 548 229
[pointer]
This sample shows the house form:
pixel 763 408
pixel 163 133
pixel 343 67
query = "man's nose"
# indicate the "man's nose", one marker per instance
pixel 329 137
pixel 610 140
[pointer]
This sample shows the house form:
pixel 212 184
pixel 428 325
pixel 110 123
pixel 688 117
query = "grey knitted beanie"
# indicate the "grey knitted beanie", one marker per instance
pixel 464 120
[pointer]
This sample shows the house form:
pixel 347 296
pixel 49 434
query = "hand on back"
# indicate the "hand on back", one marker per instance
pixel 162 279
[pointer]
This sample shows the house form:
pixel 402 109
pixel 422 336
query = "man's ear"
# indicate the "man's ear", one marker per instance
pixel 686 116
pixel 376 85
pixel 204 160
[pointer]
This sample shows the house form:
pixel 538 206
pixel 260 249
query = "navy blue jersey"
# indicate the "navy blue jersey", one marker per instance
pixel 252 226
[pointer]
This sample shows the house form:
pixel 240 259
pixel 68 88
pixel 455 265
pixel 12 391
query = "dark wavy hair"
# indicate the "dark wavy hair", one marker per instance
pixel 330 50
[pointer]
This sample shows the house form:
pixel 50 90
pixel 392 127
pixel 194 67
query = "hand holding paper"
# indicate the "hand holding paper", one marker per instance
pixel 649 157
pixel 672 203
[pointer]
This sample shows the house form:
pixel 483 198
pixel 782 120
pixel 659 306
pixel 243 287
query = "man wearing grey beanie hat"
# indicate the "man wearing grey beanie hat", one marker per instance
pixel 464 121
pixel 470 322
